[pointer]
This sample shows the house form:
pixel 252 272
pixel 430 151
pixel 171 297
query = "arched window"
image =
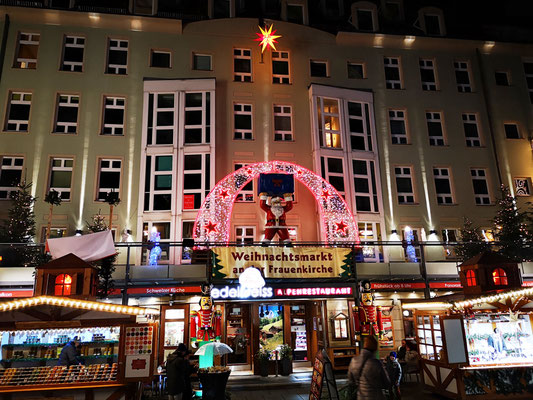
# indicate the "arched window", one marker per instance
pixel 499 277
pixel 470 278
pixel 63 285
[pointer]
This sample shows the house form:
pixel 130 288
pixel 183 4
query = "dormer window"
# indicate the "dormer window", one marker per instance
pixel 63 285
pixel 432 21
pixel 499 277
pixel 471 278
pixel 364 16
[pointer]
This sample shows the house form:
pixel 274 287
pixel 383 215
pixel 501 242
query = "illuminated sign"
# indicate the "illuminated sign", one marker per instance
pixel 16 293
pixel 314 291
pixel 267 38
pixel 188 201
pixel 240 292
pixel 397 285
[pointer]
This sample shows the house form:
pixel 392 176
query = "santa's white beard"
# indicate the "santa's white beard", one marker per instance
pixel 277 211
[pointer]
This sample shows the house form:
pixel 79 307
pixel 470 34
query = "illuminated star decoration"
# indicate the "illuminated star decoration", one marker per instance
pixel 341 226
pixel 267 38
pixel 211 227
pixel 224 194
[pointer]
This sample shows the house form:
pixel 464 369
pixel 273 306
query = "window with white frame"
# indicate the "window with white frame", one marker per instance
pixel 242 122
pixel 329 128
pixel 528 71
pixel 158 183
pixel 393 77
pixel 242 65
pixel 427 74
pixel 113 118
pixel 435 129
pixel 398 126
pixel 197 127
pixel 480 184
pixel 432 24
pixel 56 232
pixel 160 59
pixel 443 185
pixel 471 129
pixel 333 172
pixel 67 113
pixel 196 177
pixel 10 175
pixel 365 19
pixel 359 126
pixel 280 67
pixel 318 68
pixel 73 49
pixel 450 235
pixel 60 176
pixel 511 130
pixel 109 173
pixel 245 234
pixel 186 233
pixel 283 123
pixel 364 176
pixel 462 76
pixel 117 57
pixel 370 232
pixel 161 118
pixel 246 195
pixel 295 13
pixel 164 230
pixel 18 112
pixel 356 70
pixel 202 62
pixel 27 49
pixel 404 184
pixel 502 78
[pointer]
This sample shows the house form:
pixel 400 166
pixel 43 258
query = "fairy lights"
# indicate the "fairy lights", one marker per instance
pixel 267 38
pixel 514 294
pixel 213 220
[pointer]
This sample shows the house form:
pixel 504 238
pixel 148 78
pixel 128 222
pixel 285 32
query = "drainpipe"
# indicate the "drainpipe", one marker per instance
pixel 3 45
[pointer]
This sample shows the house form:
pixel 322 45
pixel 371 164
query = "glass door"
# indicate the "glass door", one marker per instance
pixel 238 333
pixel 298 332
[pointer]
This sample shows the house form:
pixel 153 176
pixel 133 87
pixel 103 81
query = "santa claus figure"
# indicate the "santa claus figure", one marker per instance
pixel 367 317
pixel 205 323
pixel 276 216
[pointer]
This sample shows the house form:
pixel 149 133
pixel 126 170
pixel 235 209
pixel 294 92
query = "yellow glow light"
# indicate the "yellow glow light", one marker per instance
pixel 267 38
pixel 427 306
pixel 515 294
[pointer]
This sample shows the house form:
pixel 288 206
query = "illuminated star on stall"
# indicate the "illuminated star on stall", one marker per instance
pixel 267 38
pixel 211 227
pixel 341 226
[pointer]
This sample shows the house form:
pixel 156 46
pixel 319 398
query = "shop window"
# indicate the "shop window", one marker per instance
pixel 161 118
pixel 67 107
pixel 10 175
pixel 340 327
pixel 18 112
pixel 63 285
pixel 174 324
pixel 27 48
pixel 73 49
pixel 329 128
pixel 160 59
pixel 398 126
pixel 243 122
pixel 247 192
pixel 471 278
pixel 242 65
pixel 356 70
pixel 202 62
pixel 113 119
pixel 429 335
pixel 117 57
pixel 499 277
pixel 280 67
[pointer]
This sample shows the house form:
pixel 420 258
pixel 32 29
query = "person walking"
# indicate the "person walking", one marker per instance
pixel 367 373
pixel 411 358
pixel 69 353
pixel 179 372
pixel 394 370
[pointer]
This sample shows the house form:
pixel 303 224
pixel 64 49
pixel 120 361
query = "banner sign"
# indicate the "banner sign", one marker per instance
pixel 314 291
pixel 283 262
pixel 445 285
pixel 16 293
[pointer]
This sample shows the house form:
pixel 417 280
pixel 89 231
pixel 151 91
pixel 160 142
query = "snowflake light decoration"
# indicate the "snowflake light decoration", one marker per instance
pixel 267 38
pixel 213 221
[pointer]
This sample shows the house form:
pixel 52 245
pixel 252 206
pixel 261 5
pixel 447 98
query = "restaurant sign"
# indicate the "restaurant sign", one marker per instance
pixel 283 262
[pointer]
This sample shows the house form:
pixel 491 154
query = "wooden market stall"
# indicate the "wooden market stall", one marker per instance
pixel 479 344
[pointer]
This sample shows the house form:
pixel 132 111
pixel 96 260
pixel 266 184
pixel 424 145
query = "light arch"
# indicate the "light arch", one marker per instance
pixel 213 221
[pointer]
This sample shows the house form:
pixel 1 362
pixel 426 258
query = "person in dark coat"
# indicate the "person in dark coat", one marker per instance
pixel 402 350
pixel 368 373
pixel 69 353
pixel 179 371
pixel 394 370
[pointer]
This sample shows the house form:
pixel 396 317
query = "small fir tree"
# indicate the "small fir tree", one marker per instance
pixel 217 267
pixel 471 241
pixel 54 199
pixel 106 266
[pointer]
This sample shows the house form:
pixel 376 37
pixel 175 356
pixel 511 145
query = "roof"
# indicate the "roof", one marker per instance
pixel 68 261
pixel 488 258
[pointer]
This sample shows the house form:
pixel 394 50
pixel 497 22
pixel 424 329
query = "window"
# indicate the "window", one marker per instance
pixel 158 183
pixel 109 171
pixel 61 177
pixel 462 76
pixel 511 131
pixel 404 185
pixel 201 62
pixel 435 131
pixel 329 129
pixel 318 68
pixel 160 59
pixel 443 185
pixel 113 120
pixel 481 188
pixel 471 130
pixel 295 13
pixel 365 20
pixel 449 236
pixel 427 74
pixel 196 177
pixel 242 118
pixel 356 70
pixel 63 285
pixel 432 25
pixel 245 234
pixel 280 67
pixel 528 70
pixel 117 57
pixel 186 233
pixel 397 124
pixel 502 78
pixel 522 187
pixel 282 123
pixel 161 116
pixel 366 196
pixel 370 232
pixel 10 175
pixel 499 277
pixel 163 228
pixel 18 112
pixel 470 278
pixel 340 327
pixel 333 172
pixel 393 78
pixel 359 126
pixel 246 195
pixel 67 113
pixel 197 127
pixel 27 48
pixel 55 232
pixel 73 49
pixel 242 65
pixel 429 336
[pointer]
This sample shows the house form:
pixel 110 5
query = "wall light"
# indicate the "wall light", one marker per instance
pixel 409 40
pixel 79 232
pixel 432 232
pixel 394 232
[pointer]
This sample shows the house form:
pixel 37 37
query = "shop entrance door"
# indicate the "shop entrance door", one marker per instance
pixel 299 327
pixel 238 329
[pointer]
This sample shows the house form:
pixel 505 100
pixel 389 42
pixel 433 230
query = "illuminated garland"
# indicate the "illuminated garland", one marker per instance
pixel 213 220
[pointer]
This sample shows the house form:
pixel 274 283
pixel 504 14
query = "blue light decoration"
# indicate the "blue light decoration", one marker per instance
pixel 155 252
pixel 410 250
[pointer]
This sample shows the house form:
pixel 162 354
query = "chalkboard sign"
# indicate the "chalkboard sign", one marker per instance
pixel 276 184
pixel 323 375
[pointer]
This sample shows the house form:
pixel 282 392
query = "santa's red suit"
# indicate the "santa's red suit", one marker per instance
pixel 367 320
pixel 276 217
pixel 205 325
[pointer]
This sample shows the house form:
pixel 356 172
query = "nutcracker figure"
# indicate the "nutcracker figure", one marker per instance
pixel 367 317
pixel 205 323
pixel 276 216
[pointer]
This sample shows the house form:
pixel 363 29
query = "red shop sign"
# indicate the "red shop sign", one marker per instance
pixel 166 290
pixel 188 201
pixel 16 293
pixel 397 285
pixel 445 285
pixel 314 291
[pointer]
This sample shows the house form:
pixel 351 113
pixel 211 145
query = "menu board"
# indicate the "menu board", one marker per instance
pixel 387 340
pixel 323 372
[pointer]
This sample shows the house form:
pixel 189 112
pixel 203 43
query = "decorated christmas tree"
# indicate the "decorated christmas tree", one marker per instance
pixel 106 266
pixel 471 241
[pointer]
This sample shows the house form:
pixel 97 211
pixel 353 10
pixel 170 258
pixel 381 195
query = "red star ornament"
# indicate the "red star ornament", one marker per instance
pixel 224 194
pixel 210 227
pixel 341 226
pixel 326 194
